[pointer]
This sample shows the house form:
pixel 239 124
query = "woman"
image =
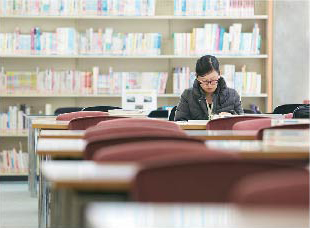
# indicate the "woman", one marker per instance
pixel 209 94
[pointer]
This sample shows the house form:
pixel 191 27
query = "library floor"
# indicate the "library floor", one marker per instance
pixel 17 208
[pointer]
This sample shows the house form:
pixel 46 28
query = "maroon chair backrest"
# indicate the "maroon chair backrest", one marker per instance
pixel 256 124
pixel 139 122
pixel 127 129
pixel 194 179
pixel 260 133
pixel 82 123
pixel 106 140
pixel 145 150
pixel 277 188
pixel 72 115
pixel 228 122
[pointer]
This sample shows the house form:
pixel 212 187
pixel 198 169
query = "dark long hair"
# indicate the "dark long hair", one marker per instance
pixel 206 64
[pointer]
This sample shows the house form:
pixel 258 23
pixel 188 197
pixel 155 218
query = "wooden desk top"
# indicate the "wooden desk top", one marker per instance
pixel 56 124
pixel 89 175
pixel 275 122
pixel 222 134
pixel 49 124
pixel 193 125
pixel 61 147
pixel 67 134
pixel 64 148
pixel 187 215
pixel 254 149
pixel 199 134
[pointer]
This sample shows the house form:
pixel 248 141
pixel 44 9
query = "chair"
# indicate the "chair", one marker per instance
pixel 256 124
pixel 72 115
pixel 122 136
pixel 172 113
pixel 101 108
pixel 82 123
pixel 128 129
pixel 286 108
pixel 158 114
pixel 228 122
pixel 260 133
pixel 146 150
pixel 195 177
pixel 62 110
pixel 249 111
pixel 277 188
pixel 138 122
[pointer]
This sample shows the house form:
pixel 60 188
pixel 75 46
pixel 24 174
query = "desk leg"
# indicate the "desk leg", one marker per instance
pixel 44 202
pixel 32 176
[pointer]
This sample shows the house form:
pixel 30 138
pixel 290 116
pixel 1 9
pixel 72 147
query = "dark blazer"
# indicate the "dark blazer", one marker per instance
pixel 192 105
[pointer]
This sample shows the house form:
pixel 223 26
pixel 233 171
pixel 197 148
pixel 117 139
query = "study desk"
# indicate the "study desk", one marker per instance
pixel 187 215
pixel 198 134
pixel 34 125
pixel 73 148
pixel 67 178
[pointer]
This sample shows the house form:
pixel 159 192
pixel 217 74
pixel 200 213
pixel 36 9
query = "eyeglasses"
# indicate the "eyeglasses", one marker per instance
pixel 212 82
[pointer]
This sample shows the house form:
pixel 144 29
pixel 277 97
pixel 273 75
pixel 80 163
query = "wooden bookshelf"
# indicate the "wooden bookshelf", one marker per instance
pixel 163 22
pixel 13 174
pixel 131 56
pixel 104 95
pixel 13 133
pixel 86 17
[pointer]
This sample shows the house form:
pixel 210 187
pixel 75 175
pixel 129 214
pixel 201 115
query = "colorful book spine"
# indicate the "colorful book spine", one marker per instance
pixel 212 39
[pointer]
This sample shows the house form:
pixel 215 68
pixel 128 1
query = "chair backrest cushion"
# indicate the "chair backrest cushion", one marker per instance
pixel 72 115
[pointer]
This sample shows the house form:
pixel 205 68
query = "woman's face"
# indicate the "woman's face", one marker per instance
pixel 208 82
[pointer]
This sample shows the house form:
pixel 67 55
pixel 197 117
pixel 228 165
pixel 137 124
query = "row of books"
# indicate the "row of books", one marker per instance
pixel 213 38
pixel 214 7
pixel 246 83
pixel 112 43
pixel 67 41
pixel 74 82
pixel 78 7
pixel 182 79
pixel 13 161
pixel 15 118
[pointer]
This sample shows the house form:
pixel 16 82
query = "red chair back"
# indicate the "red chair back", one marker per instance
pixel 139 122
pixel 72 115
pixel 256 124
pixel 132 135
pixel 194 178
pixel 82 123
pixel 260 133
pixel 145 150
pixel 102 132
pixel 228 122
pixel 285 188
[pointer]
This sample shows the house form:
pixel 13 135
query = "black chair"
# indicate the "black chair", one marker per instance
pixel 62 110
pixel 302 112
pixel 287 108
pixel 172 113
pixel 104 108
pixel 248 111
pixel 158 114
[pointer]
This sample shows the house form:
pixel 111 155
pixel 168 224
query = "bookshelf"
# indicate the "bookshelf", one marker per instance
pixel 163 22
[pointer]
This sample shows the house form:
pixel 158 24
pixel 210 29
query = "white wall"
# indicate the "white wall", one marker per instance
pixel 291 52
